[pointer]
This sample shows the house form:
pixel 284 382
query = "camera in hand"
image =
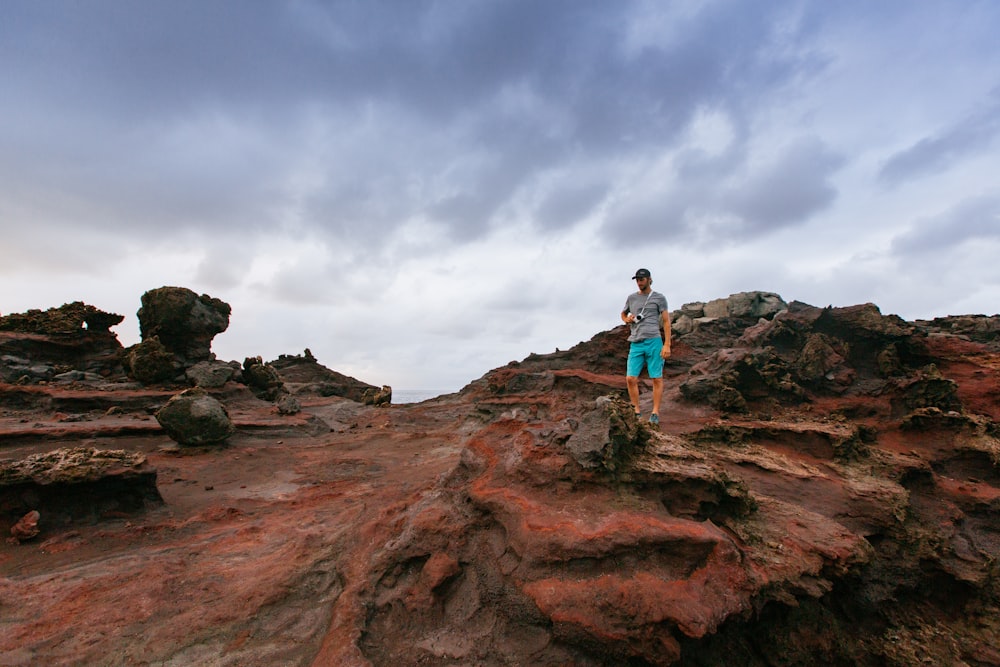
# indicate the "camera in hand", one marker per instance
pixel 638 317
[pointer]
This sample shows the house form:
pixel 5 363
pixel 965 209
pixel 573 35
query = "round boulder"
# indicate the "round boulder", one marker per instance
pixel 194 417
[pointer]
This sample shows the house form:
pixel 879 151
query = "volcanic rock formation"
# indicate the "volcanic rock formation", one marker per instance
pixel 824 489
pixel 184 322
pixel 62 344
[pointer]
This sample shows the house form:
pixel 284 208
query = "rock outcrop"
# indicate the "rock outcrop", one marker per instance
pixel 194 417
pixel 57 488
pixel 803 351
pixel 43 346
pixel 150 362
pixel 303 374
pixel 824 488
pixel 184 322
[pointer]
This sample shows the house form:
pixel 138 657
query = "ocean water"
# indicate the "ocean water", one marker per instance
pixel 415 395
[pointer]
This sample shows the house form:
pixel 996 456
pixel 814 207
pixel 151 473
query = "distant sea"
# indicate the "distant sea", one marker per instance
pixel 415 395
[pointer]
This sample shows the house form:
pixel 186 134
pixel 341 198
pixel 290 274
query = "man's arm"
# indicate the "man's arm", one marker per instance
pixel 665 319
pixel 627 317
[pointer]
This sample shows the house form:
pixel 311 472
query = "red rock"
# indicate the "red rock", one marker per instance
pixel 27 527
pixel 849 519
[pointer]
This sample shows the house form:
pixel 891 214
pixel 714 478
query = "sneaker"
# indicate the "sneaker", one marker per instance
pixel 654 419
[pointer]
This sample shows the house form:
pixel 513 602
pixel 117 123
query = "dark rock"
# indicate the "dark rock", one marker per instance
pixel 77 376
pixel 79 483
pixel 928 389
pixel 150 362
pixel 195 418
pixel 979 328
pixel 288 405
pixel 69 318
pixel 378 397
pixel 303 374
pixel 211 374
pixel 262 378
pixel 37 345
pixel 184 322
pixel 607 437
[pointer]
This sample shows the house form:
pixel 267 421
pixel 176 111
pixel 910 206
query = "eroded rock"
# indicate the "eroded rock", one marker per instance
pixel 211 374
pixel 184 322
pixel 262 378
pixel 150 362
pixel 608 436
pixel 78 483
pixel 69 318
pixel 378 397
pixel 27 527
pixel 194 417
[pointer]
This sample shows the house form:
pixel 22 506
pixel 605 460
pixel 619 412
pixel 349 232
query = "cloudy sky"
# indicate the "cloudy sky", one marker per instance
pixel 422 190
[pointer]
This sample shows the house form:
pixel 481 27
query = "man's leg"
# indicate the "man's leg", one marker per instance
pixel 632 382
pixel 657 394
pixel 654 362
pixel 636 359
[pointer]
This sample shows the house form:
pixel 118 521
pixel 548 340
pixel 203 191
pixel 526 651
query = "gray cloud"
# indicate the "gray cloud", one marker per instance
pixel 569 203
pixel 302 155
pixel 791 189
pixel 723 202
pixel 976 219
pixel 973 135
pixel 186 114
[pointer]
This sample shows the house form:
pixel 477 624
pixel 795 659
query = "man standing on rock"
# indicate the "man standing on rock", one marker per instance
pixel 645 312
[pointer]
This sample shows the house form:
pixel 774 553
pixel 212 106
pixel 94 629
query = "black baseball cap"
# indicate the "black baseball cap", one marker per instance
pixel 641 273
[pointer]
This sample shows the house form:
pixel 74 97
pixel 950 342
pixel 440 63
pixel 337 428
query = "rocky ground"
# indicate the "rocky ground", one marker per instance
pixel 824 489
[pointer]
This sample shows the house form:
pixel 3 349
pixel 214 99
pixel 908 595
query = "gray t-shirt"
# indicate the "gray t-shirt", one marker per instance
pixel 649 306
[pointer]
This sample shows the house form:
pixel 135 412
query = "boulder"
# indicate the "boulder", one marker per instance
pixel 211 374
pixel 746 305
pixel 184 322
pixel 27 527
pixel 716 308
pixel 150 362
pixel 693 310
pixel 262 378
pixel 682 324
pixel 195 418
pixel 608 436
pixel 377 397
pixel 288 405
pixel 755 305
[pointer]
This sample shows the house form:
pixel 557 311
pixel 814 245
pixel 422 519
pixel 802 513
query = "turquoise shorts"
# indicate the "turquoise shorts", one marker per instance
pixel 645 353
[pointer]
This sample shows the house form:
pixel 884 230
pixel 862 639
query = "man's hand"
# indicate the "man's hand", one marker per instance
pixel 665 352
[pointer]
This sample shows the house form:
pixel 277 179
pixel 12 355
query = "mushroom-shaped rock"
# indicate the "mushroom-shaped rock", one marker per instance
pixel 184 322
pixel 194 417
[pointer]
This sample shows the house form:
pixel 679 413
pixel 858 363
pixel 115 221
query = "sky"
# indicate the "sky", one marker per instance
pixel 420 191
